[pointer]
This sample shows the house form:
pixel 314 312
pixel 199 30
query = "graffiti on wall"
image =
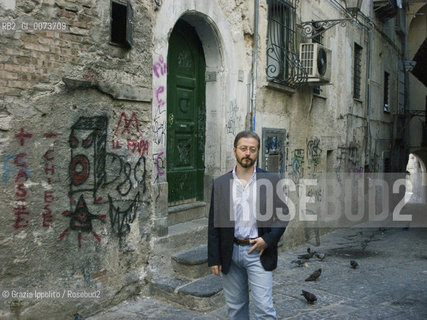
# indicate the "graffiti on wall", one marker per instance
pixel 273 149
pixel 49 171
pixel 93 189
pixel 159 118
pixel 160 70
pixel 314 153
pixel 315 193
pixel 88 144
pixel 297 164
pixel 17 165
pixel 20 209
pixel 349 154
pixel 160 163
pixel 159 67
pixel 126 129
pixel 348 158
pixel 159 126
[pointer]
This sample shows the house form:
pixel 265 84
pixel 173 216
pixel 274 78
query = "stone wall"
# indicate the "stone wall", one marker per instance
pixel 75 120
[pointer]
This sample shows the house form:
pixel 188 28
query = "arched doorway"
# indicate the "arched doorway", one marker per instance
pixel 213 30
pixel 186 115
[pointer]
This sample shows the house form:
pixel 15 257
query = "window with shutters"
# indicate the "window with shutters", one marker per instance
pixel 121 24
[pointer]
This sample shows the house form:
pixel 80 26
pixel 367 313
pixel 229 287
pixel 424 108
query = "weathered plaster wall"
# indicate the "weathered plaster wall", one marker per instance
pixel 417 91
pixel 76 157
pixel 328 133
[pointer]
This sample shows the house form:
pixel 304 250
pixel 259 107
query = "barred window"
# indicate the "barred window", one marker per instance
pixel 282 60
pixel 357 72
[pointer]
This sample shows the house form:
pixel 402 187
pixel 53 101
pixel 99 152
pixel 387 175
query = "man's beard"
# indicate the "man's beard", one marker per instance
pixel 245 164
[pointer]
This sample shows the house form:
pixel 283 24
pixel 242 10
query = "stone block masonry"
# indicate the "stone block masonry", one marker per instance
pixel 75 158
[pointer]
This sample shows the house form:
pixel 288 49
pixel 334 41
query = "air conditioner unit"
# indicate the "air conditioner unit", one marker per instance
pixel 316 60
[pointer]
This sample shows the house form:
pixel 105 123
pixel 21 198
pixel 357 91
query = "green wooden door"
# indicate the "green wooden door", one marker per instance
pixel 185 115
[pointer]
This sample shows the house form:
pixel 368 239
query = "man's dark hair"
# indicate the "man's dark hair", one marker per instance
pixel 246 134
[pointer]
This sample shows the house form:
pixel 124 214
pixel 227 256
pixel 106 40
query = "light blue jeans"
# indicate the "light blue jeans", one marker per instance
pixel 246 269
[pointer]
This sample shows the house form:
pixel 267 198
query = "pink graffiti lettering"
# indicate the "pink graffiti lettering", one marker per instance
pixel 18 160
pixel 50 135
pixel 160 101
pixel 48 166
pixel 21 192
pixel 133 119
pixel 116 144
pixel 138 145
pixel 48 169
pixel 21 136
pixel 46 155
pixel 47 216
pixel 159 66
pixel 20 222
pixel 48 196
pixel 22 174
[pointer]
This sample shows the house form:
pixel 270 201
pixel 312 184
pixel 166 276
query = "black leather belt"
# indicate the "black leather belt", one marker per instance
pixel 242 242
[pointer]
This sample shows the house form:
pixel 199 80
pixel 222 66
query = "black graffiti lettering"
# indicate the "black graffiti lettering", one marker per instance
pixel 126 185
pixel 139 173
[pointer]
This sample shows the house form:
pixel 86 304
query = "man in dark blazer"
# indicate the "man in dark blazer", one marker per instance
pixel 247 217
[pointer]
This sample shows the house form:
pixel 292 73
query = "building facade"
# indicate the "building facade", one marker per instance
pixel 417 104
pixel 117 115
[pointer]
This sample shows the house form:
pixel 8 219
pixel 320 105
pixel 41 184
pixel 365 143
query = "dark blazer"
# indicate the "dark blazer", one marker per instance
pixel 221 227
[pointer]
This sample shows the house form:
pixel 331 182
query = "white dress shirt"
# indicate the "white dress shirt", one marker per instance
pixel 244 206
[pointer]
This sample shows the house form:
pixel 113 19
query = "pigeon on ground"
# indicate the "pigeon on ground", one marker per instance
pixel 78 317
pixel 354 264
pixel 308 255
pixel 320 256
pixel 382 229
pixel 299 262
pixel 314 275
pixel 309 296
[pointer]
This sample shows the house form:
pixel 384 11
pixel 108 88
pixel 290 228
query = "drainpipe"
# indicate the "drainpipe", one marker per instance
pixel 406 134
pixel 254 64
pixel 369 99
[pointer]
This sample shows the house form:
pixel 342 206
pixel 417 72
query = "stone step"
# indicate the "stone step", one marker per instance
pixel 201 295
pixel 186 212
pixel 183 236
pixel 191 263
